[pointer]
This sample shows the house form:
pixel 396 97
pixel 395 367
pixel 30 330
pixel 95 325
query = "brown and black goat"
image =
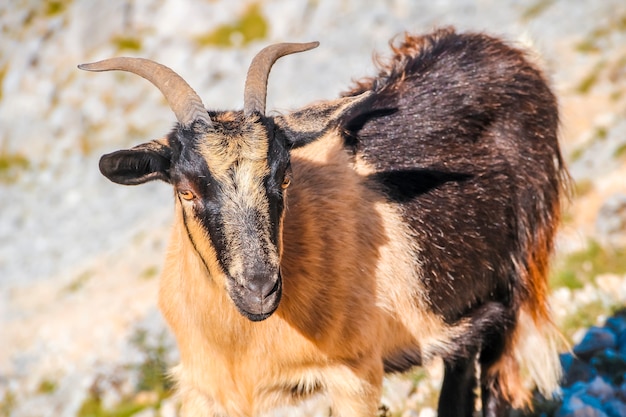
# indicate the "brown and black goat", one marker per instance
pixel 313 251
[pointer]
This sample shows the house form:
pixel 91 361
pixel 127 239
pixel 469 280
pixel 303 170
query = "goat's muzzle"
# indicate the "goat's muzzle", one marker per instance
pixel 258 297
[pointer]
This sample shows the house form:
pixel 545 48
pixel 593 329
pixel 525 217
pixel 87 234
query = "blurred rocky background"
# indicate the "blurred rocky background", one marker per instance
pixel 80 257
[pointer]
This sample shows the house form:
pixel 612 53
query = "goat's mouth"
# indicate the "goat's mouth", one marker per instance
pixel 256 305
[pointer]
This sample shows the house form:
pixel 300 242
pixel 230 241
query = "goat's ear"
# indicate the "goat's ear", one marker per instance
pixel 310 123
pixel 147 162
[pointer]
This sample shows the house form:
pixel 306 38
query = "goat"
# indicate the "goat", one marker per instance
pixel 314 251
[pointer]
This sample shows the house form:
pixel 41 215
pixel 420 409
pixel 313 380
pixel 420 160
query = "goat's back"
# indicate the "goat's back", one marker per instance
pixel 463 136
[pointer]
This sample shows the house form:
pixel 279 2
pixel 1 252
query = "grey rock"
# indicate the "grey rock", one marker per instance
pixel 617 324
pixel 615 408
pixel 570 405
pixel 591 401
pixel 579 371
pixel 620 392
pixel 596 339
pixel 601 389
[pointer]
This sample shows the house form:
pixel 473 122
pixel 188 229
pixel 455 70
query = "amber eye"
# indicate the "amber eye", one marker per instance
pixel 286 182
pixel 186 195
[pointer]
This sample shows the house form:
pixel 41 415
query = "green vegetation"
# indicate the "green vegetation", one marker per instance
pixel 150 272
pixel 591 43
pixel 591 79
pixel 3 73
pixel 586 316
pixel 580 267
pixel 11 166
pixel 7 404
pixel 620 151
pixel 536 9
pixel 78 282
pixel 127 43
pixel 251 26
pixel 153 370
pixel 55 7
pixel 599 134
pixel 153 384
pixel 577 153
pixel 92 407
pixel 47 386
pixel 583 187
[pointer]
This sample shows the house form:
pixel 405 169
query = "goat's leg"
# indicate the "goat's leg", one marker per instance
pixel 457 396
pixel 355 392
pixel 196 404
pixel 494 405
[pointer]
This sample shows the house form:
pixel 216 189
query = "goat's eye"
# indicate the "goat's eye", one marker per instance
pixel 286 182
pixel 187 195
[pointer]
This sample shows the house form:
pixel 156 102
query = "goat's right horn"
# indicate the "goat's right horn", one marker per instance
pixel 183 100
pixel 255 92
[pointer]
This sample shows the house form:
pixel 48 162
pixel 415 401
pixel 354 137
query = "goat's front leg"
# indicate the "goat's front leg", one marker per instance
pixel 196 404
pixel 355 391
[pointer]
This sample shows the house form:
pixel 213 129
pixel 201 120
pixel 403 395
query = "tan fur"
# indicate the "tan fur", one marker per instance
pixel 238 161
pixel 336 319
pixel 530 361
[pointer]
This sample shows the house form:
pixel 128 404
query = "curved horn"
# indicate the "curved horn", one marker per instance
pixel 256 81
pixel 183 100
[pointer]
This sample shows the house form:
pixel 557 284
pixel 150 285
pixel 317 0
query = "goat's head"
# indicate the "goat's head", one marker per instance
pixel 230 171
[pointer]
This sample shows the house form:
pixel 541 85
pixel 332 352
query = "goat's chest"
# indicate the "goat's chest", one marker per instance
pixel 253 375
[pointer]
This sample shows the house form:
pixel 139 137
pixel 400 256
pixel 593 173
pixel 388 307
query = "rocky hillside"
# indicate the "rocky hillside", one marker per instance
pixel 80 257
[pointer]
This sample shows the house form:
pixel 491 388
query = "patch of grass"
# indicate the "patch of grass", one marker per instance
pixel 78 282
pixel 620 151
pixel 11 166
pixel 616 95
pixel 55 7
pixel 92 407
pixel 251 26
pixel 567 278
pixel 587 46
pixel 153 370
pixel 7 403
pixel 579 268
pixel 127 43
pixel 583 187
pixel 3 73
pixel 590 43
pixel 599 134
pixel 587 83
pixel 47 386
pixel 150 272
pixel 152 387
pixel 577 153
pixel 536 9
pixel 586 316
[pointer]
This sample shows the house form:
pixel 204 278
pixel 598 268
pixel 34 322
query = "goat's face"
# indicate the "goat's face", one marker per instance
pixel 230 180
pixel 230 172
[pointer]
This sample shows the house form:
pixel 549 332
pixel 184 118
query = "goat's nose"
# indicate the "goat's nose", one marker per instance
pixel 262 286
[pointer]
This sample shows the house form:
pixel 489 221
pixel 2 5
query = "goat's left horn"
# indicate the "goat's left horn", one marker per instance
pixel 255 91
pixel 183 100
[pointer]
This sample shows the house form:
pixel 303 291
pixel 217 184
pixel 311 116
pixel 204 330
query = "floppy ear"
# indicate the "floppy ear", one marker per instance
pixel 146 162
pixel 310 123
